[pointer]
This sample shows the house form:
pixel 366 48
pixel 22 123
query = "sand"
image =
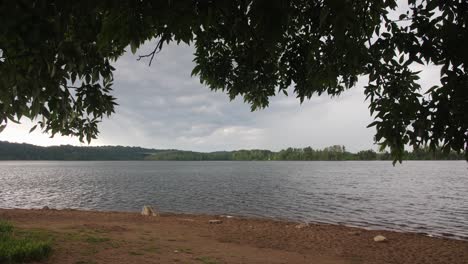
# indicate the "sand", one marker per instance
pixel 119 237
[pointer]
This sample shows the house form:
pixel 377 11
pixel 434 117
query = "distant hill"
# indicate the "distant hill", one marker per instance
pixel 17 151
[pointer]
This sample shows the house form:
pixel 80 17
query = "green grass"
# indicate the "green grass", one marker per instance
pixel 5 228
pixel 185 250
pixel 207 260
pixel 91 236
pixel 21 246
pixel 152 249
pixel 135 253
pixel 96 239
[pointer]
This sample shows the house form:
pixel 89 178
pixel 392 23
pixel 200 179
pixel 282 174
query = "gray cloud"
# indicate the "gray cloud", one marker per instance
pixel 163 107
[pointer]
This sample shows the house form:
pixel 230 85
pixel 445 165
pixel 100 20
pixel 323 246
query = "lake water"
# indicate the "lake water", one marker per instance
pixel 417 196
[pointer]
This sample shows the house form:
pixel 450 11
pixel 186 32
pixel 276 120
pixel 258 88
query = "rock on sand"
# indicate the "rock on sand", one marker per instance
pixel 148 210
pixel 380 238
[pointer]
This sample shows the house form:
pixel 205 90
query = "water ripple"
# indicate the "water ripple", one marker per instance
pixel 423 197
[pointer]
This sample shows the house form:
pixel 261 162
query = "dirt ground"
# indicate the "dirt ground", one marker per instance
pixel 81 237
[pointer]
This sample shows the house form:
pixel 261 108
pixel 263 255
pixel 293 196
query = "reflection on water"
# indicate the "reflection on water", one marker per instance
pixel 417 196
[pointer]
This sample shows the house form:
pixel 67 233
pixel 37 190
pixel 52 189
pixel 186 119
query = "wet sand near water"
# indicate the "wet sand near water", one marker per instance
pixel 121 237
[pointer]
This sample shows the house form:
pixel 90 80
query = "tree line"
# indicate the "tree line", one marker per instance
pixel 16 151
pixel 336 152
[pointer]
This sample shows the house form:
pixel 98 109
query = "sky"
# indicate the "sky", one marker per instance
pixel 161 106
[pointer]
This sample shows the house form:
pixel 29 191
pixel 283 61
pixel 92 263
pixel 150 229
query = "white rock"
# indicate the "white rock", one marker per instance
pixel 215 221
pixel 227 216
pixel 148 210
pixel 380 238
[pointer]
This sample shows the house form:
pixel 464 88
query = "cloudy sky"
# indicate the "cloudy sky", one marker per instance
pixel 163 107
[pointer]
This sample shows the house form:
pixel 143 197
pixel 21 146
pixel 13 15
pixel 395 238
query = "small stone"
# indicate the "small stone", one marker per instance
pixel 215 221
pixel 380 238
pixel 148 211
pixel 227 216
pixel 45 208
pixel 302 225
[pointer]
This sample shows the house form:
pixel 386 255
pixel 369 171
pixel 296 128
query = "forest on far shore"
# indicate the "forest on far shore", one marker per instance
pixel 17 151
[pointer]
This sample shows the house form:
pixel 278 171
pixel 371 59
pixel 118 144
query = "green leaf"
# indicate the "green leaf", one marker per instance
pixel 373 124
pixel 133 47
pixel 32 129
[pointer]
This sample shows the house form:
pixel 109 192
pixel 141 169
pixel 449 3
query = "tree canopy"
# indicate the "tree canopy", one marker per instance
pixel 56 58
pixel 16 151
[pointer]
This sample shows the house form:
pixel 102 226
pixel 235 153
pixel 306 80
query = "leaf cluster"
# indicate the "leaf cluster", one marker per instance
pixel 56 56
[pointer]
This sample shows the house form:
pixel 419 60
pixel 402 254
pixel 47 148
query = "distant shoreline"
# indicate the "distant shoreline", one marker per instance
pixel 389 161
pixel 124 237
pixel 17 151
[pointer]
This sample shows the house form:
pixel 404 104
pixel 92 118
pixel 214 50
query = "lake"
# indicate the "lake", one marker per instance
pixel 417 196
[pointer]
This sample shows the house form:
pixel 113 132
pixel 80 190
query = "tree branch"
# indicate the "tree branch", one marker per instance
pixel 155 51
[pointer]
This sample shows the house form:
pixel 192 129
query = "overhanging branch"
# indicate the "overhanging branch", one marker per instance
pixel 155 51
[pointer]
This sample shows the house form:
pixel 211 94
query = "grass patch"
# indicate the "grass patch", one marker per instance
pixel 152 250
pixel 185 250
pixel 91 236
pixel 207 260
pixel 134 253
pixel 114 244
pixel 5 227
pixel 95 239
pixel 22 246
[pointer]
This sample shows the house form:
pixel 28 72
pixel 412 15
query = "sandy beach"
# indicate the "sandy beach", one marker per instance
pixel 120 237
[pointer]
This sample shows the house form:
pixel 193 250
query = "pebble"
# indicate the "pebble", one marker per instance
pixel 380 238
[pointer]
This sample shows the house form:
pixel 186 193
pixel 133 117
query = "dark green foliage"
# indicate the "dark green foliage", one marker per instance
pixel 367 155
pixel 55 58
pixel 332 153
pixel 5 228
pixel 189 155
pixel 335 152
pixel 15 151
pixel 21 247
pixel 220 155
